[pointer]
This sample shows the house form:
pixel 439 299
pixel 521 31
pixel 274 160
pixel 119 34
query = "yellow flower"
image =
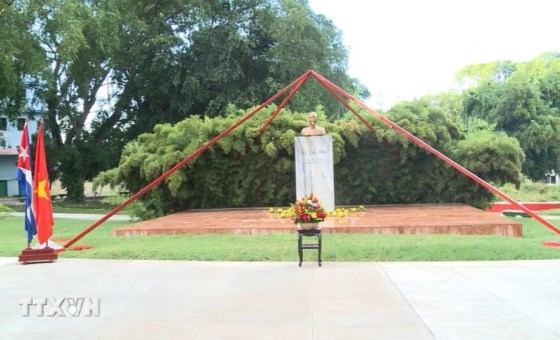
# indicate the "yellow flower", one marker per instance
pixel 271 210
pixel 313 215
pixel 353 209
pixel 280 210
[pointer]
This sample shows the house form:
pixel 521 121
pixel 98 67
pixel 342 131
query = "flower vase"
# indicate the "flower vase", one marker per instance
pixel 309 226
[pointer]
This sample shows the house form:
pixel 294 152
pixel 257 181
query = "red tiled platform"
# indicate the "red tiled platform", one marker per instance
pixel 384 219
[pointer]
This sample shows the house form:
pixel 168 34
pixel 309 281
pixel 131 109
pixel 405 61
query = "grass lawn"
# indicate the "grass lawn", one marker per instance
pixel 283 247
pixel 90 207
pixel 550 212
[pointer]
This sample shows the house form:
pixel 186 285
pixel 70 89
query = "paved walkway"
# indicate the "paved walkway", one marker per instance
pixel 279 300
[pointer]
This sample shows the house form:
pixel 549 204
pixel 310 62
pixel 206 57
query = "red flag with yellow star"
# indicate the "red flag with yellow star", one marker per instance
pixel 41 192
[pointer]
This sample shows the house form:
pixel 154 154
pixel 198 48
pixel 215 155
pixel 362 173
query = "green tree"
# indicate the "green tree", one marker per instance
pixel 20 57
pixel 525 106
pixel 479 74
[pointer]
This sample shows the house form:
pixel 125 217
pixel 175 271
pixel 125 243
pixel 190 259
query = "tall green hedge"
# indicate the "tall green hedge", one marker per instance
pixel 245 169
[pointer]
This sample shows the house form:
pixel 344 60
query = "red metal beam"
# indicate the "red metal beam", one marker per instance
pixel 501 206
pixel 350 108
pixel 286 100
pixel 425 146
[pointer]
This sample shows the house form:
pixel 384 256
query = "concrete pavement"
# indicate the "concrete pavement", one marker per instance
pixel 279 300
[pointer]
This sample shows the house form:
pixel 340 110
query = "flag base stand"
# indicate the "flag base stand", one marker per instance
pixel 552 243
pixel 29 255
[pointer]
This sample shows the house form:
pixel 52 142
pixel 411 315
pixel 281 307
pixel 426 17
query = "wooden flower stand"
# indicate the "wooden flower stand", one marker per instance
pixel 301 246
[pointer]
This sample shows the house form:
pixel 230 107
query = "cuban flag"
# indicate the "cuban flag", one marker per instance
pixel 25 178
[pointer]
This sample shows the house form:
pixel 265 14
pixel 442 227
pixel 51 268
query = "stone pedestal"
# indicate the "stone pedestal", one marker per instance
pixel 314 169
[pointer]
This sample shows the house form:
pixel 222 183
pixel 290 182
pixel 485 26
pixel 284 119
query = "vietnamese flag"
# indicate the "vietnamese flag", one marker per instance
pixel 41 192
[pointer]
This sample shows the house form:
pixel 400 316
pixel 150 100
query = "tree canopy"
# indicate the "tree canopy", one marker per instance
pixel 110 70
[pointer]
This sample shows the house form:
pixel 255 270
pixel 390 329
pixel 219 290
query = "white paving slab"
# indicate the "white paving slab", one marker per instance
pixel 279 300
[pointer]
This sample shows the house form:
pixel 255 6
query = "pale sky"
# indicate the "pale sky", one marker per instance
pixel 405 49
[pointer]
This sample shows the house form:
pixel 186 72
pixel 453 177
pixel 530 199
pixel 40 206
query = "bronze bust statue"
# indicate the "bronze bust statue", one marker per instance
pixel 313 129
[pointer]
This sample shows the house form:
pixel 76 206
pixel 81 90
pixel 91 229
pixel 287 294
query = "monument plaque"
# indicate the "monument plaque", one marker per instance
pixel 314 169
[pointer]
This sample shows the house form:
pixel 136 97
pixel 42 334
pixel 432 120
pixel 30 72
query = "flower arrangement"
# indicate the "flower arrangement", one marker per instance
pixel 308 210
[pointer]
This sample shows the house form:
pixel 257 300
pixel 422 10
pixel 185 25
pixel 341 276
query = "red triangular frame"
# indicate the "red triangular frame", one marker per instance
pixel 342 96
